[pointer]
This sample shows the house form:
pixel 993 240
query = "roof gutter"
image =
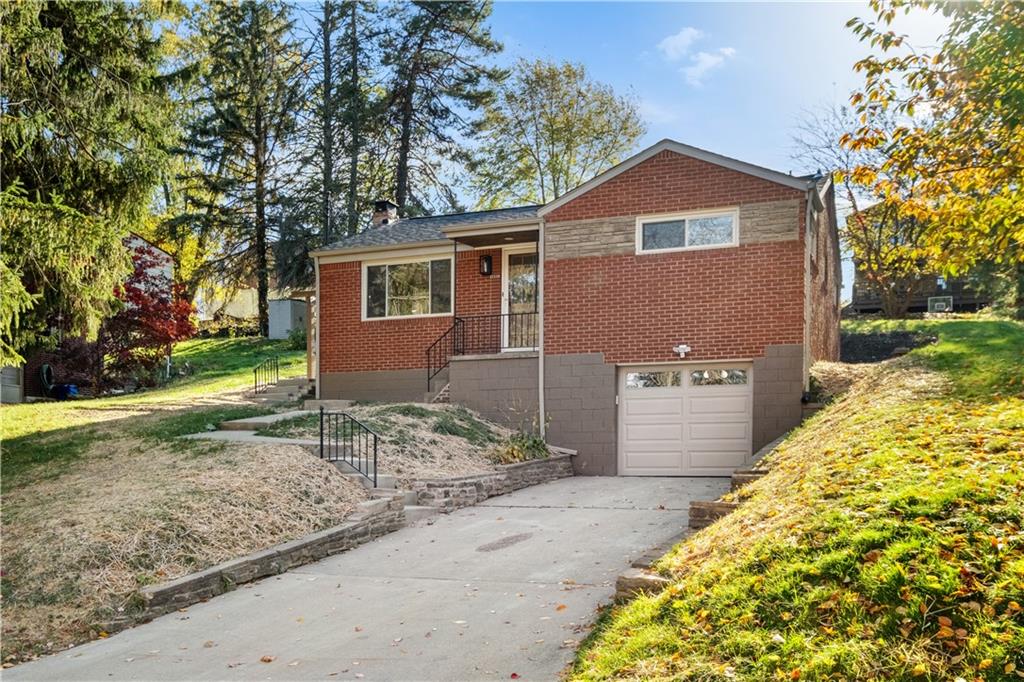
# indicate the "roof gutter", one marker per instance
pixel 383 247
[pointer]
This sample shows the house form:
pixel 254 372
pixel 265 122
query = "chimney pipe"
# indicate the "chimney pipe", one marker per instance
pixel 384 212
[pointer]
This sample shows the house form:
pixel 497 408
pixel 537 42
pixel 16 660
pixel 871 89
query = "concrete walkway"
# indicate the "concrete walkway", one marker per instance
pixel 506 587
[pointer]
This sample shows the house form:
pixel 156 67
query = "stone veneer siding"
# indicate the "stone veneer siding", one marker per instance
pixel 760 222
pixel 503 388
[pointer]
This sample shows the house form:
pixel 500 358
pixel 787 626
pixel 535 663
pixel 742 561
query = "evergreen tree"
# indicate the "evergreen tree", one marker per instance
pixel 331 196
pixel 438 72
pixel 250 94
pixel 85 126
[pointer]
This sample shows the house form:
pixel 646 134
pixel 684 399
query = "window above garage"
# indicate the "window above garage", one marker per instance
pixel 687 231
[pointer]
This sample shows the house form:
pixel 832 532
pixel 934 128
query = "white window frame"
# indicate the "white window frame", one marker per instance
pixel 425 258
pixel 732 212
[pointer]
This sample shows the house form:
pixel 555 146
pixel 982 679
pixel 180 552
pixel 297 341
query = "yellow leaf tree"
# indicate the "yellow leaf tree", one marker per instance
pixel 967 166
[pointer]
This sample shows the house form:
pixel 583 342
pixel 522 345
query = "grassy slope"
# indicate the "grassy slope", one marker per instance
pixel 886 543
pixel 99 498
pixel 50 435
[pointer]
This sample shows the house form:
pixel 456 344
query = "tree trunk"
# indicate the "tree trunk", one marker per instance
pixel 404 141
pixel 327 122
pixel 262 276
pixel 355 106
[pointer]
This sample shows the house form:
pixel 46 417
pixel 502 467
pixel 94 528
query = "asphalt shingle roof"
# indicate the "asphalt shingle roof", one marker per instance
pixel 429 228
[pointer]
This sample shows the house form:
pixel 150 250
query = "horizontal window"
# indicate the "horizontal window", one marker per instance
pixel 718 377
pixel 699 231
pixel 653 379
pixel 405 289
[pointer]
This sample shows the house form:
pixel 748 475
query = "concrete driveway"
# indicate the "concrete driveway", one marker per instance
pixel 506 587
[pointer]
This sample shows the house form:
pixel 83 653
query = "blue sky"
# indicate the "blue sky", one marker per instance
pixel 732 78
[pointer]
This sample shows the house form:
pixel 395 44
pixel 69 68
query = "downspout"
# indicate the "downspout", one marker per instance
pixel 317 327
pixel 541 418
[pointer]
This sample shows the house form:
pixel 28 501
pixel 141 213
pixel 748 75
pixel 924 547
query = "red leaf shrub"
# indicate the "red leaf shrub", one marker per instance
pixel 153 316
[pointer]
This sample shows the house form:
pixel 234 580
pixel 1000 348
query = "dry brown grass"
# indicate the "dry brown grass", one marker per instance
pixel 835 378
pixel 78 547
pixel 421 440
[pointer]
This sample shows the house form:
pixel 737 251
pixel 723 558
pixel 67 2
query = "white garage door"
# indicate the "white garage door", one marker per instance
pixel 684 420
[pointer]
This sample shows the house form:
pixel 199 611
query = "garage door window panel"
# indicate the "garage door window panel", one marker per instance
pixel 660 379
pixel 718 377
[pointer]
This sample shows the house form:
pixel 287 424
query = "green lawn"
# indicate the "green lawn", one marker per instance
pixel 886 542
pixel 41 438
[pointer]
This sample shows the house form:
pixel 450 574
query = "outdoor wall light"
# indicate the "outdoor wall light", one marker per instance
pixel 486 266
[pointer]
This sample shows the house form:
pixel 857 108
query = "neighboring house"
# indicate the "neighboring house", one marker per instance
pixel 677 300
pixel 946 294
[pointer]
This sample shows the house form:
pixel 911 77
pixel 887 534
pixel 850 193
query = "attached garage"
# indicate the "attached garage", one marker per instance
pixel 684 419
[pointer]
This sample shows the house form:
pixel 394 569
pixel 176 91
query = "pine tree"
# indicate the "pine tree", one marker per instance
pixel 437 58
pixel 250 95
pixel 84 130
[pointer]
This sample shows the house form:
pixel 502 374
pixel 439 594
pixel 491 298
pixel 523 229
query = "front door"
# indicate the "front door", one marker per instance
pixel 519 299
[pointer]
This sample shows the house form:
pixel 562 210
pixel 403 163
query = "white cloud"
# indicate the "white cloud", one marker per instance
pixel 704 62
pixel 652 112
pixel 675 47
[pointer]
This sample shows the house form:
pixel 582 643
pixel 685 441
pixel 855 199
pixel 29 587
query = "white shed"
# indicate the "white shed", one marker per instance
pixel 285 315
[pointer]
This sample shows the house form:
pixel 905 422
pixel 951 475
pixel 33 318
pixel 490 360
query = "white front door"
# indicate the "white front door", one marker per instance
pixel 685 419
pixel 519 298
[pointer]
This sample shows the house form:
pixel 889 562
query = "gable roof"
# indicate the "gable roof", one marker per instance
pixel 802 184
pixel 427 229
pixel 431 230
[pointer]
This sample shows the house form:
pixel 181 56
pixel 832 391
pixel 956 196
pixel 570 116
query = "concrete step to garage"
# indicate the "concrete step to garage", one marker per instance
pixel 257 423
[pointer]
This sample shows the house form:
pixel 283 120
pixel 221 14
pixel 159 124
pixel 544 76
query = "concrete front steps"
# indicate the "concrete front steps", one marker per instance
pixel 287 390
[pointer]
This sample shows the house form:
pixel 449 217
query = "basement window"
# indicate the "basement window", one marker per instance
pixel 689 231
pixel 416 288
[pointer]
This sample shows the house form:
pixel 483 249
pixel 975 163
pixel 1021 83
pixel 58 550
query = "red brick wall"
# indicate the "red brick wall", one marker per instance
pixel 723 303
pixel 670 182
pixel 348 344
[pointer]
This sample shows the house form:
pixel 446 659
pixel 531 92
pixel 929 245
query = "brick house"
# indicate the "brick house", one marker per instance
pixel 677 301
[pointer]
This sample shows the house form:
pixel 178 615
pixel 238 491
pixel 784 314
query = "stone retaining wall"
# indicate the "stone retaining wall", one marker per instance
pixel 449 494
pixel 703 513
pixel 372 519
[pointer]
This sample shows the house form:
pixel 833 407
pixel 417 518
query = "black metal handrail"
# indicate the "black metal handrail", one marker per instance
pixel 265 375
pixel 482 335
pixel 343 438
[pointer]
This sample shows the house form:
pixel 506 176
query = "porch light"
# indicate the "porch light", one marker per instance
pixel 486 266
